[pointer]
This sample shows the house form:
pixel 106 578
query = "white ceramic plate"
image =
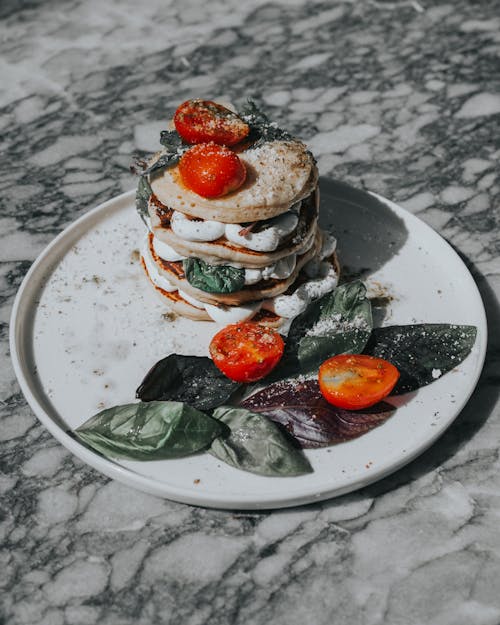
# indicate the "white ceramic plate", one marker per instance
pixel 86 327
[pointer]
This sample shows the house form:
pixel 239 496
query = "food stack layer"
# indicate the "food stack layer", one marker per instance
pixel 253 253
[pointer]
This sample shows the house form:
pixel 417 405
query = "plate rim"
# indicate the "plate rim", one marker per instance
pixel 153 486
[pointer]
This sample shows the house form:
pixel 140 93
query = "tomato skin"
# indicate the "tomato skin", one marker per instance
pixel 211 170
pixel 355 381
pixel 201 121
pixel 246 351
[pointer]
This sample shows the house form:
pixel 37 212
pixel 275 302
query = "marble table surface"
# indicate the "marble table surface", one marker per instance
pixel 399 97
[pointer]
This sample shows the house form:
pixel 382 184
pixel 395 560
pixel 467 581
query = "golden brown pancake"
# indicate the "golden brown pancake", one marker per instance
pixel 223 251
pixel 279 174
pixel 174 273
pixel 179 305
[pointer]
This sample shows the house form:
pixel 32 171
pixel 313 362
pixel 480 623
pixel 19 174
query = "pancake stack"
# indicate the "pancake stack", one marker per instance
pixel 256 253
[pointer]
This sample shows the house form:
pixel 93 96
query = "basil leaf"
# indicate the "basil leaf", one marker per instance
pixel 166 159
pixel 309 418
pixel 142 196
pixel 213 278
pixel 340 322
pixel 171 140
pixel 262 129
pixel 257 445
pixel 421 352
pixel 153 431
pixel 194 380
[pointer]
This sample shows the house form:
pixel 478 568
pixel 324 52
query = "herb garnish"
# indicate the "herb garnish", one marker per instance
pixel 191 379
pixel 262 129
pixel 311 420
pixel 213 278
pixel 173 148
pixel 256 444
pixel 142 196
pixel 154 431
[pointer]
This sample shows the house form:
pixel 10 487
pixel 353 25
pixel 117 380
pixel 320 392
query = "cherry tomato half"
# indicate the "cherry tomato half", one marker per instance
pixel 211 170
pixel 355 381
pixel 200 121
pixel 246 351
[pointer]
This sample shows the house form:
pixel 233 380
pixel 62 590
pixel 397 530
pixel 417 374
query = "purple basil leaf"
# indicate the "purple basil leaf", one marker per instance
pixel 309 418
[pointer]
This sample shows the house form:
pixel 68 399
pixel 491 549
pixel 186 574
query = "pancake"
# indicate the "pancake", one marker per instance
pixel 279 174
pixel 179 305
pixel 223 251
pixel 265 289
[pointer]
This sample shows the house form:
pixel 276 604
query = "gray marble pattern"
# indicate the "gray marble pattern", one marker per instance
pixel 398 97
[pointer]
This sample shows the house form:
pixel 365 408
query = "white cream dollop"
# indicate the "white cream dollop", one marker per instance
pixel 196 229
pixel 280 270
pixel 288 306
pixel 232 314
pixel 268 239
pixel 165 251
pixel 192 300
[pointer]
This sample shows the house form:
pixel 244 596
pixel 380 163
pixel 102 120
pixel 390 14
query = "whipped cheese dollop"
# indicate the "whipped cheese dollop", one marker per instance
pixel 165 251
pixel 196 229
pixel 289 306
pixel 232 314
pixel 266 240
pixel 280 270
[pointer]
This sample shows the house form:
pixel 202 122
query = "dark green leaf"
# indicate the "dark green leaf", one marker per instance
pixel 422 352
pixel 194 380
pixel 261 128
pixel 213 278
pixel 142 196
pixel 171 140
pixel 257 445
pixel 311 420
pixel 173 149
pixel 340 322
pixel 166 159
pixel 153 431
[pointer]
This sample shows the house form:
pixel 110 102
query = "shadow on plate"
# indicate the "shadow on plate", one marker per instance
pixel 368 232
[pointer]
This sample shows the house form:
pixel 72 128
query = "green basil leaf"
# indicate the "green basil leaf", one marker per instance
pixel 213 278
pixel 340 322
pixel 142 196
pixel 166 159
pixel 153 431
pixel 262 129
pixel 171 140
pixel 194 380
pixel 257 445
pixel 421 352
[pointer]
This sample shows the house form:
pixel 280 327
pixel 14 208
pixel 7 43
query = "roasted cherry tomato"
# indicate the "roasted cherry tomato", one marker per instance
pixel 201 121
pixel 246 351
pixel 211 170
pixel 355 381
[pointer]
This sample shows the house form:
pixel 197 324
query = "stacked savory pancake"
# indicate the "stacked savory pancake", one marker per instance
pixel 255 253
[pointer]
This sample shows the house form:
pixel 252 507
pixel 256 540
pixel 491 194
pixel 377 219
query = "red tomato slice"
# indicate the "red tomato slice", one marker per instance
pixel 246 351
pixel 355 381
pixel 201 121
pixel 211 170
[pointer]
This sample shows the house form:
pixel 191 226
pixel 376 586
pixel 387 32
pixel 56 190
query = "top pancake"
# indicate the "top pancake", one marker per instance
pixel 279 173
